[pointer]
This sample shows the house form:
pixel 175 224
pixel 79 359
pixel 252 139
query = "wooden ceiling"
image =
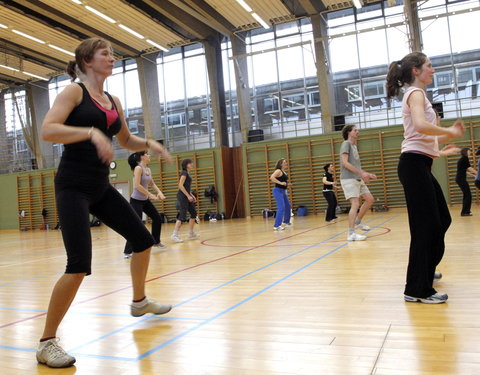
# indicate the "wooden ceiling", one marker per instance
pixel 38 37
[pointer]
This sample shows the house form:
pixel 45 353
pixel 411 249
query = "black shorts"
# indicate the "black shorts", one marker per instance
pixel 75 201
pixel 184 206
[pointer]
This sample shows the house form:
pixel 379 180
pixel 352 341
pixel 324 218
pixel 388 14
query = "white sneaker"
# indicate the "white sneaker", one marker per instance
pixel 193 235
pixel 51 354
pixel 149 306
pixel 356 237
pixel 287 225
pixel 160 245
pixel 176 239
pixel 362 226
pixel 280 228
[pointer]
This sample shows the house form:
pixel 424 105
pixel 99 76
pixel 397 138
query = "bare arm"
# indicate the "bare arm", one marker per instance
pixel 132 142
pixel 274 177
pixel 160 195
pixel 416 102
pixel 326 182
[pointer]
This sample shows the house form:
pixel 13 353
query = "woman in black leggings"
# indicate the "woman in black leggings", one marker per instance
pixel 329 186
pixel 140 200
pixel 464 168
pixel 85 118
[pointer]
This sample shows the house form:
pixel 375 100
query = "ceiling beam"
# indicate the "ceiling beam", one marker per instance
pixel 49 16
pixel 31 55
pixel 160 18
pixel 182 18
pixel 302 8
pixel 8 78
pixel 206 14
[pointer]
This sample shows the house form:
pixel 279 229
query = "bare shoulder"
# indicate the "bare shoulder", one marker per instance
pixel 117 101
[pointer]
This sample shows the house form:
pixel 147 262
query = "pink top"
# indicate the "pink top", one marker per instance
pixel 112 114
pixel 415 141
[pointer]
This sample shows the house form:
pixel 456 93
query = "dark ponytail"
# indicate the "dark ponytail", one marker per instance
pixel 400 72
pixel 72 70
pixel 135 158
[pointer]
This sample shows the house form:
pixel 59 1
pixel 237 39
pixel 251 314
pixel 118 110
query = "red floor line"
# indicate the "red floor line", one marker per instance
pixel 169 274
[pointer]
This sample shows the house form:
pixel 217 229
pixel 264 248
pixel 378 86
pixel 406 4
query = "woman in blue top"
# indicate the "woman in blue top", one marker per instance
pixel 284 209
pixel 140 198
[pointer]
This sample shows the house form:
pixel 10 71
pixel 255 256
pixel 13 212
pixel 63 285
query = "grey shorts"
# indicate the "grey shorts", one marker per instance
pixel 353 188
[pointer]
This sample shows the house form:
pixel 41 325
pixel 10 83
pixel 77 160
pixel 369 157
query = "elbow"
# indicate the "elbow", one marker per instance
pixel 46 133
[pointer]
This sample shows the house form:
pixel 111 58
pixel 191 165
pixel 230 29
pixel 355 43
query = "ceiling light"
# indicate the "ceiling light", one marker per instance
pixel 77 2
pixel 100 14
pixel 245 6
pixel 357 3
pixel 34 75
pixel 61 50
pixel 9 68
pixel 133 32
pixel 157 45
pixel 260 21
pixel 28 36
pixel 2 26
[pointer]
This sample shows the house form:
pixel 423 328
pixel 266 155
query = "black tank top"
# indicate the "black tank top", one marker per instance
pixel 282 178
pixel 329 177
pixel 80 160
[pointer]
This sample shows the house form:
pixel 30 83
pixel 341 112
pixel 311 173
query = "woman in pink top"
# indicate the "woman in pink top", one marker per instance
pixel 428 213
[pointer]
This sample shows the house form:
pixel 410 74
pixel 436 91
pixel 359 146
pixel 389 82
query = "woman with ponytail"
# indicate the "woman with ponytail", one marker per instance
pixel 428 214
pixel 85 118
pixel 140 198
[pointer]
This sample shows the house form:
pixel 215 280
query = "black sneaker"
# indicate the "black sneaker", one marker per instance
pixel 468 214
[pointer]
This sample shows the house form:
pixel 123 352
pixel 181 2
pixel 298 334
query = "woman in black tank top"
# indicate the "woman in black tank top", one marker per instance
pixel 284 209
pixel 85 118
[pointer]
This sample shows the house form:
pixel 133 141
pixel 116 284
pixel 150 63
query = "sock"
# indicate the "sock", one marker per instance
pixel 357 221
pixel 46 339
pixel 140 302
pixel 351 231
pixel 192 231
pixel 175 233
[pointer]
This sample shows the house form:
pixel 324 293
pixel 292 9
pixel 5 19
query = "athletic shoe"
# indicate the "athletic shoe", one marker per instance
pixel 278 229
pixel 150 306
pixel 176 239
pixel 193 235
pixel 333 221
pixel 287 225
pixel 127 256
pixel 160 245
pixel 362 227
pixel 469 214
pixel 433 299
pixel 356 237
pixel 51 354
pixel 437 276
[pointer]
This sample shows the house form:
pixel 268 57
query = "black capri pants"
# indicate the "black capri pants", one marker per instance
pixel 184 206
pixel 150 210
pixel 75 201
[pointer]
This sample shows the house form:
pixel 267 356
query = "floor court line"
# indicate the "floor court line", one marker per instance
pixel 208 320
pixel 222 285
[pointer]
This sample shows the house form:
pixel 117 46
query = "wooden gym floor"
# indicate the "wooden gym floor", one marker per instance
pixel 251 301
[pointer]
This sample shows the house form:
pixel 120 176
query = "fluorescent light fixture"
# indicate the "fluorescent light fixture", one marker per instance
pixel 156 45
pixel 35 76
pixel 100 14
pixel 133 32
pixel 260 21
pixel 245 6
pixel 357 3
pixel 9 68
pixel 2 26
pixel 28 36
pixel 61 49
pixel 77 2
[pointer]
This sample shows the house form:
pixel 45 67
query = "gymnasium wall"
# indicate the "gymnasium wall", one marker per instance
pixel 379 151
pixel 32 191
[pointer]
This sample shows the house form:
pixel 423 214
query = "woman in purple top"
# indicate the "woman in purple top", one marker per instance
pixel 140 198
